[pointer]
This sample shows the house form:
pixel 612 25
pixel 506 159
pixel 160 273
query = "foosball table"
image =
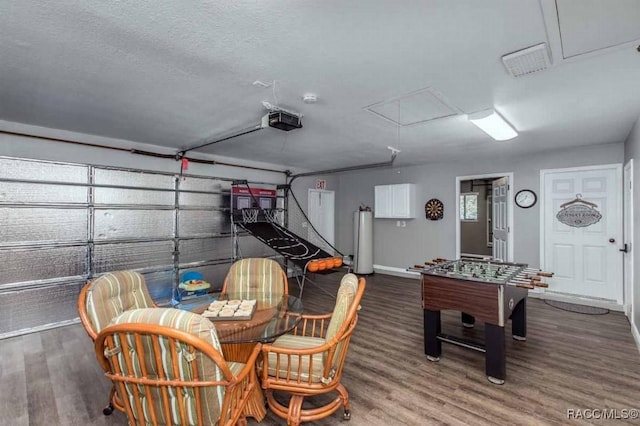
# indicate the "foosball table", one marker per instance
pixel 490 291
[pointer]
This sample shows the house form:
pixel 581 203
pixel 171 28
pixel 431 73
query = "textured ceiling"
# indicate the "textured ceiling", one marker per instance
pixel 176 73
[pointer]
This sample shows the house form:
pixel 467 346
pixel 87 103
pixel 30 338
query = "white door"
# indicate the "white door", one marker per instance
pixel 585 259
pixel 500 218
pixel 628 238
pixel 321 210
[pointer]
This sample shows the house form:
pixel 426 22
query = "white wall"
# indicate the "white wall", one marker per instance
pixel 423 239
pixel 632 150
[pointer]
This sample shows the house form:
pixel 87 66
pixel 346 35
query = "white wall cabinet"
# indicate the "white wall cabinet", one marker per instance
pixel 395 201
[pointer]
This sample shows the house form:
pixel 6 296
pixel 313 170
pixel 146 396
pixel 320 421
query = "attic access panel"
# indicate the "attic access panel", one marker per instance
pixel 589 25
pixel 413 108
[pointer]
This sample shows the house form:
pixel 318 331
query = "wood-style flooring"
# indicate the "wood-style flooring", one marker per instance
pixel 569 361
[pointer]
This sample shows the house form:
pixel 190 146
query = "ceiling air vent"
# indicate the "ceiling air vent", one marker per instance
pixel 527 61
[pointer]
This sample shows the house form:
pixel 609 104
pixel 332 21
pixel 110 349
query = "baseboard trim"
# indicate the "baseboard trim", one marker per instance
pixel 391 270
pixel 635 334
pixel 396 272
pixel 580 300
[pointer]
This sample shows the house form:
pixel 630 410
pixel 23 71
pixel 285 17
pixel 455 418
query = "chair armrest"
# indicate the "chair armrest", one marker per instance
pixel 313 325
pixel 267 348
pixel 285 358
pixel 317 317
pixel 327 346
pixel 250 364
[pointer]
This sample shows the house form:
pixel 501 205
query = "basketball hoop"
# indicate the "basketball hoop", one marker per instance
pixel 250 215
pixel 272 215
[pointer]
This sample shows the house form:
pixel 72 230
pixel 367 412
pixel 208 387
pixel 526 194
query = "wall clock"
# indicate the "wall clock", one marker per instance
pixel 526 198
pixel 434 209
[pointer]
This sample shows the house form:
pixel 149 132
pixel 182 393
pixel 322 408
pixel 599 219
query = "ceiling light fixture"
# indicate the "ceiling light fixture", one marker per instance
pixel 492 123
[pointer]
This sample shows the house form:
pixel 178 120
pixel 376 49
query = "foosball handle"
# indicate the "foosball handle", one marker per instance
pixel 523 281
pixel 533 277
pixel 545 274
pixel 418 266
pixel 527 286
pixel 429 263
pixel 540 284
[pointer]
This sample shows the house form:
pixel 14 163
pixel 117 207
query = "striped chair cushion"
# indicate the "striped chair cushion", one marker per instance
pixel 344 300
pixel 207 370
pixel 256 278
pixel 297 342
pixel 112 294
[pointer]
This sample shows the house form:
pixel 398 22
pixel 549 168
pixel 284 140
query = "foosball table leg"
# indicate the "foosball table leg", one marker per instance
pixel 519 321
pixel 468 321
pixel 495 360
pixel 432 328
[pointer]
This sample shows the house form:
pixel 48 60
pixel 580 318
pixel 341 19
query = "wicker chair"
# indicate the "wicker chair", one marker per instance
pixel 310 360
pixel 167 368
pixel 105 298
pixel 248 278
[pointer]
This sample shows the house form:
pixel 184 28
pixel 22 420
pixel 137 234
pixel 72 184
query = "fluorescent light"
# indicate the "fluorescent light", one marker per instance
pixel 493 124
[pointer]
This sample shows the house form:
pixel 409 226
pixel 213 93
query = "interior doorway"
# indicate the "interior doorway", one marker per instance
pixel 321 208
pixel 485 216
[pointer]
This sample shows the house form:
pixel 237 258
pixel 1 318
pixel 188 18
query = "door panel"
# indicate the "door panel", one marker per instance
pixel 565 266
pixel 594 258
pixel 564 186
pixel 586 263
pixel 500 192
pixel 594 184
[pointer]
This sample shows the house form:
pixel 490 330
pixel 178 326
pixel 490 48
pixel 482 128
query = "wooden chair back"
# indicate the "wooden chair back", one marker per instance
pixel 168 368
pixel 344 315
pixel 256 278
pixel 108 296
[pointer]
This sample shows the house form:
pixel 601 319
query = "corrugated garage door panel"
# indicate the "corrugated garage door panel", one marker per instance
pixel 33 308
pixel 64 223
pixel 23 265
pixel 29 225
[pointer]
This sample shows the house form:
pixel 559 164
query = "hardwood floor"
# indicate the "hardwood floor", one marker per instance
pixel 569 361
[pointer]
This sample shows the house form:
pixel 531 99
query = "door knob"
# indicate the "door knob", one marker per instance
pixel 625 249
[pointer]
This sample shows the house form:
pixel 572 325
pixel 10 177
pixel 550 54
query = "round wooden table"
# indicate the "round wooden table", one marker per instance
pixel 272 318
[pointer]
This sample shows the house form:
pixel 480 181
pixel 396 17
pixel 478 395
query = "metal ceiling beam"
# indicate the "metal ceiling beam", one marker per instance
pixel 394 154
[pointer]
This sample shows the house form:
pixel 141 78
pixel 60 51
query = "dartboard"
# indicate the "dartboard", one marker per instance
pixel 434 209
